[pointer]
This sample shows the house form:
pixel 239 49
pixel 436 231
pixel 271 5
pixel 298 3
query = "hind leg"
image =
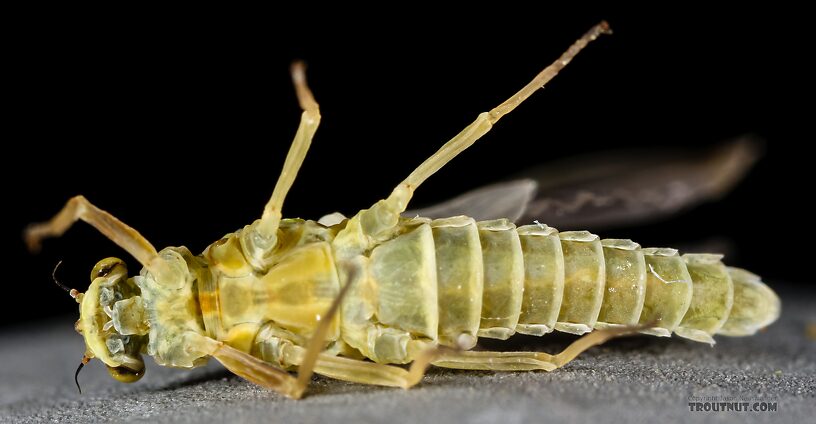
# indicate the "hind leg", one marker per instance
pixel 384 215
pixel 387 375
pixel 526 361
pixel 484 122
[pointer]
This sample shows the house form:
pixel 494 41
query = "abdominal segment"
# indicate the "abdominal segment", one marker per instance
pixel 493 279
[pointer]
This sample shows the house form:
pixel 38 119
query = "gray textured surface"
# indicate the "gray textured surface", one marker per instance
pixel 640 379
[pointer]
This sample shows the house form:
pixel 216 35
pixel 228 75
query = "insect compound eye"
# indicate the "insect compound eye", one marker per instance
pixel 125 374
pixel 104 267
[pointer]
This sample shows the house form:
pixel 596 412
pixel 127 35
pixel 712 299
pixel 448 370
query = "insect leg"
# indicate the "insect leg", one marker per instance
pixel 485 120
pixel 384 214
pixel 364 372
pixel 309 121
pixel 267 375
pixel 257 371
pixel 79 208
pixel 526 361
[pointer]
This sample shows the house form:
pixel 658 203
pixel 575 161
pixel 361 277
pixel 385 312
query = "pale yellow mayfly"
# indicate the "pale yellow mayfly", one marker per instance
pixel 349 298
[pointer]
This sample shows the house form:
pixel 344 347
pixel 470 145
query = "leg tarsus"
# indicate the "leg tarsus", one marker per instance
pixel 549 72
pixel 79 208
pixel 527 361
pixel 421 363
pixel 485 121
pixel 304 94
pixel 594 338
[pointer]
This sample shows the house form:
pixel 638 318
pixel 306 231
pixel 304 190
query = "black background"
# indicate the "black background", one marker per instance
pixel 178 124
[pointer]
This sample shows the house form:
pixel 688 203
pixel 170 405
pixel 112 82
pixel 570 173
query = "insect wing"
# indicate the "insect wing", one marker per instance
pixel 500 200
pixel 609 190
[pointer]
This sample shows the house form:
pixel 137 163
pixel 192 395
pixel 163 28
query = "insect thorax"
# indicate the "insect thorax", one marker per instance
pixel 172 309
pixel 219 294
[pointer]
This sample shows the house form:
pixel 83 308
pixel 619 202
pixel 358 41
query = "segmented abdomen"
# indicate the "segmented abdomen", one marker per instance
pixel 494 279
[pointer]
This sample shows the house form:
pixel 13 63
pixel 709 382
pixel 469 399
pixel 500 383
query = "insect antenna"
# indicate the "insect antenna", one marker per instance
pixel 85 360
pixel 72 292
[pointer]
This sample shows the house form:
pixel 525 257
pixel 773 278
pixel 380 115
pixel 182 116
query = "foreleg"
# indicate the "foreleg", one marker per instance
pixel 79 208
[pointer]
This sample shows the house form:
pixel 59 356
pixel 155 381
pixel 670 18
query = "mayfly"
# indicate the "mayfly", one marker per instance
pixel 352 298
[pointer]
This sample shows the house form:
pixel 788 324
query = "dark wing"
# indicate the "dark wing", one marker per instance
pixel 602 191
